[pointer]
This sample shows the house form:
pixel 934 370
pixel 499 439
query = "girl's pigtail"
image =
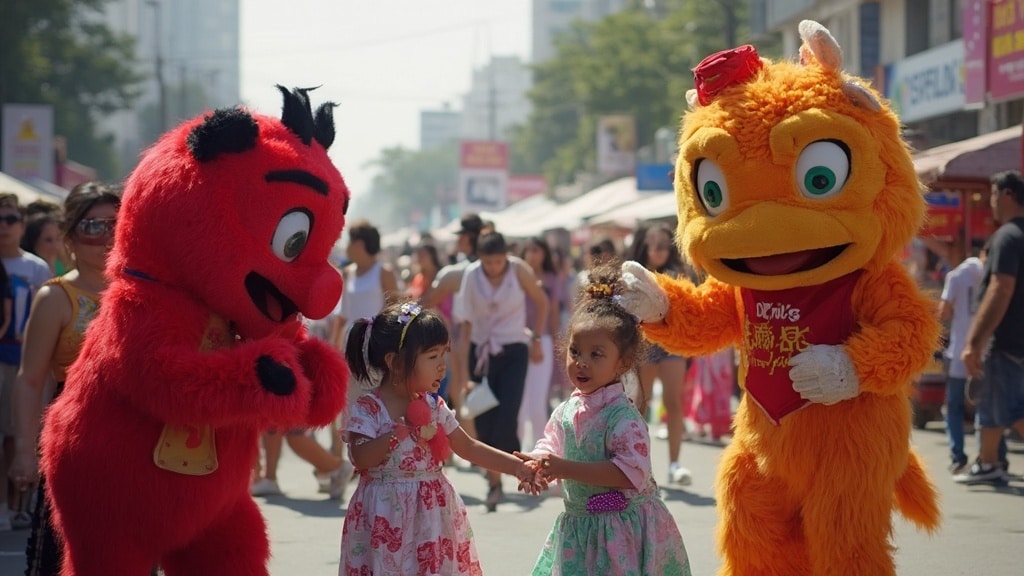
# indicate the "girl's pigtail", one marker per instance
pixel 357 360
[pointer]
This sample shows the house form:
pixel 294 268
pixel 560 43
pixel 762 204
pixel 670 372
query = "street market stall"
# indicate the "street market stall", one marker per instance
pixel 957 176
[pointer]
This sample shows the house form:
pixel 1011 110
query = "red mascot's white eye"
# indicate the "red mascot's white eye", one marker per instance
pixel 291 235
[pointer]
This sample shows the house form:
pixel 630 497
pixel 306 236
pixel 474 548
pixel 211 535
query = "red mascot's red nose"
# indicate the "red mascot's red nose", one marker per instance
pixel 324 294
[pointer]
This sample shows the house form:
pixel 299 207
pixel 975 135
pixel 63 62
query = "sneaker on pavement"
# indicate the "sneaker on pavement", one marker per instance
pixel 323 482
pixel 981 473
pixel 21 521
pixel 958 465
pixel 339 480
pixel 679 475
pixel 265 487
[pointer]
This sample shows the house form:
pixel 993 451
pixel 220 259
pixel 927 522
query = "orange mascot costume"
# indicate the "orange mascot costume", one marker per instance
pixel 796 195
pixel 222 241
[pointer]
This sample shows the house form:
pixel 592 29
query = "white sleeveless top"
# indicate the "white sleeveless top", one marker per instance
pixel 363 296
pixel 497 313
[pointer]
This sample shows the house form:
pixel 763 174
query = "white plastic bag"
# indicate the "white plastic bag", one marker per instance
pixel 479 400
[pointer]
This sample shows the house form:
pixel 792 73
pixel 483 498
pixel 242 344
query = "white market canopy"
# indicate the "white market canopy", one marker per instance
pixel 525 210
pixel 660 205
pixel 574 213
pixel 26 192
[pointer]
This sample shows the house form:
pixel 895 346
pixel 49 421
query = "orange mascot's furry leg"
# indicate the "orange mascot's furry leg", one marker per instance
pixel 849 518
pixel 759 531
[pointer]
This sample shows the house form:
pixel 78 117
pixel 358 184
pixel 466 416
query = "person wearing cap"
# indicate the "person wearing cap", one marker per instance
pixel 471 226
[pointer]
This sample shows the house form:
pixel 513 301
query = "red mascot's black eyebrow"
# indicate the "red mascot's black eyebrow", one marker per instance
pixel 298 177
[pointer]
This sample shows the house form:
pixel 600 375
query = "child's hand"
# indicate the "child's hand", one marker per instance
pixel 530 479
pixel 552 468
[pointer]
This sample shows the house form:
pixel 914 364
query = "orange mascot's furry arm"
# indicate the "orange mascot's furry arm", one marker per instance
pixel 222 240
pixel 796 194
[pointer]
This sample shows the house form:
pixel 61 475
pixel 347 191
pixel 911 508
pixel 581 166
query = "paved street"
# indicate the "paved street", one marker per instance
pixel 983 531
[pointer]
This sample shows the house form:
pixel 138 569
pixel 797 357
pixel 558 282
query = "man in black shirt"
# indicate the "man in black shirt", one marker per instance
pixel 995 342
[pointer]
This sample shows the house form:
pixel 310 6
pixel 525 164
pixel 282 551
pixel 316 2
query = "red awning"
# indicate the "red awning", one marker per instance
pixel 974 159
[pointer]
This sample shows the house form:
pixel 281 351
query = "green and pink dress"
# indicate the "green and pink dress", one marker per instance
pixel 603 530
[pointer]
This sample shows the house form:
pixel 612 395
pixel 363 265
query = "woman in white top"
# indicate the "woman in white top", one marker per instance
pixel 491 308
pixel 535 408
pixel 368 282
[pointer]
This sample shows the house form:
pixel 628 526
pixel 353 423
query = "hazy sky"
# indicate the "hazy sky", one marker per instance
pixel 382 61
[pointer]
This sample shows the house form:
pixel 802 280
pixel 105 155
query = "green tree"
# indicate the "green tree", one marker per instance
pixel 58 52
pixel 183 102
pixel 409 182
pixel 637 61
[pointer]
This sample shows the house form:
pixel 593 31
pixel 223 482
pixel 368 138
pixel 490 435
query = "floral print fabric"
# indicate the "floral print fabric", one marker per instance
pixel 642 539
pixel 404 517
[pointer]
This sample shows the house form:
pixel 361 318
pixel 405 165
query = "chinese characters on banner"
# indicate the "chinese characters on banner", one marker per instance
pixel 1005 69
pixel 975 30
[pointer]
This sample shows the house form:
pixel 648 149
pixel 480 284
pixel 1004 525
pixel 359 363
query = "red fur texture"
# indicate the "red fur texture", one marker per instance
pixel 183 339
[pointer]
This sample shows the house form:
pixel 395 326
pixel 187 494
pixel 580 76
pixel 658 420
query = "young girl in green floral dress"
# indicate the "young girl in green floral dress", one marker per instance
pixel 597 444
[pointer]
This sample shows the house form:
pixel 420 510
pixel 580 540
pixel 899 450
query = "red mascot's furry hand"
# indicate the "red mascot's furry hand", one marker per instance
pixel 222 241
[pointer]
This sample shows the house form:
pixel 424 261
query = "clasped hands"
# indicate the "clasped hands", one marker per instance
pixel 538 472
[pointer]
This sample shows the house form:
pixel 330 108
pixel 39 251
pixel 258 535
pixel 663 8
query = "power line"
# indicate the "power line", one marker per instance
pixel 308 49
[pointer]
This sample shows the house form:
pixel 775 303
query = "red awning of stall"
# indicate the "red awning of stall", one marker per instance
pixel 971 160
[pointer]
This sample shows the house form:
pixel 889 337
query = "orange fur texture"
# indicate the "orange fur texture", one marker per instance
pixel 813 494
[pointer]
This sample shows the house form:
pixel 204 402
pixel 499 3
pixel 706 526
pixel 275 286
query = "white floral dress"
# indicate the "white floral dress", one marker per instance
pixel 404 517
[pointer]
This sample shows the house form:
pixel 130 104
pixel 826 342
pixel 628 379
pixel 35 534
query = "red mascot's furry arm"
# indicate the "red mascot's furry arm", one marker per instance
pixel 222 240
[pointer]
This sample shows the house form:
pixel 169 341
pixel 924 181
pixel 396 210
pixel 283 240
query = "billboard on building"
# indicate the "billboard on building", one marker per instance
pixel 28 141
pixel 483 176
pixel 1005 65
pixel 523 186
pixel 974 20
pixel 616 145
pixel 927 84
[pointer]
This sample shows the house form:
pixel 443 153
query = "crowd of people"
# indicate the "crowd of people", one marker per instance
pixel 541 331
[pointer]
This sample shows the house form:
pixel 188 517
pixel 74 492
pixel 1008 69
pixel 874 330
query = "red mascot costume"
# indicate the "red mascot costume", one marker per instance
pixel 222 241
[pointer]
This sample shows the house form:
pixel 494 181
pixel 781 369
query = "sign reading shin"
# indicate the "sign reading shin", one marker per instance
pixel 927 84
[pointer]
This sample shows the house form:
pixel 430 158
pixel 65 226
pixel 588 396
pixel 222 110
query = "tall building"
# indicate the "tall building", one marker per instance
pixel 202 38
pixel 197 43
pixel 914 52
pixel 496 100
pixel 551 17
pixel 438 127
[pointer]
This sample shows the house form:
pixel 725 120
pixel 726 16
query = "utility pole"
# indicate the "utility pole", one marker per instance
pixel 492 105
pixel 160 85
pixel 729 8
pixel 183 112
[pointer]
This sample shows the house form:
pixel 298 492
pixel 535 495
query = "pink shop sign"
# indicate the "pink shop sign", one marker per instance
pixel 1005 64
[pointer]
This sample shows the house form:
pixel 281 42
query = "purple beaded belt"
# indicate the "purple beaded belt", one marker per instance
pixel 613 501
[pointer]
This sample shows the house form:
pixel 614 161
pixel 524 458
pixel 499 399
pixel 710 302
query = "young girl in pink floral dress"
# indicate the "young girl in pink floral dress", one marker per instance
pixel 597 444
pixel 405 517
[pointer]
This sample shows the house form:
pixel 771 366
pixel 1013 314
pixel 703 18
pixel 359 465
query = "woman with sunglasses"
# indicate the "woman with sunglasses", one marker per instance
pixel 653 247
pixel 53 336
